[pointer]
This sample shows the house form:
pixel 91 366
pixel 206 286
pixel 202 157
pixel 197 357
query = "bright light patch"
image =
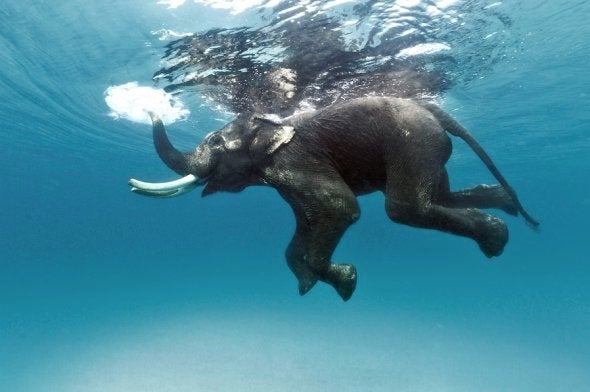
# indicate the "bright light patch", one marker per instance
pixel 132 102
pixel 408 3
pixel 172 3
pixel 166 34
pixel 335 3
pixel 422 49
pixel 236 6
pixel 496 4
pixel 350 22
pixel 445 3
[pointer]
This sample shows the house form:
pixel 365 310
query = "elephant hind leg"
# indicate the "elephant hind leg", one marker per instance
pixel 412 200
pixel 480 196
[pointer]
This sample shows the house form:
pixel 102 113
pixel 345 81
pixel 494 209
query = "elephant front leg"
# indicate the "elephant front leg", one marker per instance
pixel 323 214
pixel 296 255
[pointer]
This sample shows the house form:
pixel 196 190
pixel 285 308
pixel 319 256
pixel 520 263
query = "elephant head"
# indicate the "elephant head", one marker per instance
pixel 223 161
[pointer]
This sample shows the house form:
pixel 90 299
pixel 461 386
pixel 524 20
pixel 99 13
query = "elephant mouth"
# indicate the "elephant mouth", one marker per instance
pixel 166 189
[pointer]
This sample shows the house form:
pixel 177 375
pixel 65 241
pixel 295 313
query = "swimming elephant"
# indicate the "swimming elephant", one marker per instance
pixel 319 161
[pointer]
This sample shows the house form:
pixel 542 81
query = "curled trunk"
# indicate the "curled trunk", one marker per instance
pixel 173 158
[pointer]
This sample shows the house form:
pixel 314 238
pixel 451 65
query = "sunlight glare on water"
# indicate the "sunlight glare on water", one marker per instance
pixel 133 102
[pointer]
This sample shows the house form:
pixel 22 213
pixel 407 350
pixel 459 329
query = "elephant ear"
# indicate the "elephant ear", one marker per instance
pixel 269 137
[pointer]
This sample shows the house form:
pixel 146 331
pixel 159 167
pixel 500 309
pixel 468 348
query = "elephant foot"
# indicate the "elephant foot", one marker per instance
pixel 343 278
pixel 306 277
pixel 495 237
pixel 497 195
pixel 306 284
pixel 506 203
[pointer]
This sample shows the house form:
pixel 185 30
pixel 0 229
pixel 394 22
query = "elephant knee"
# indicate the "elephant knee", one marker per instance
pixel 339 213
pixel 351 215
pixel 404 213
pixel 395 212
pixel 295 250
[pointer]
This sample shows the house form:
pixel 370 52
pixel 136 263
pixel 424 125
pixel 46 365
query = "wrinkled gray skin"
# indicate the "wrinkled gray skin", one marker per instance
pixel 320 161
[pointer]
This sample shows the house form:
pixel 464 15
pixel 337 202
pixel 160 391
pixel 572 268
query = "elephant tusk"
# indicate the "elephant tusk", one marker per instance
pixel 165 189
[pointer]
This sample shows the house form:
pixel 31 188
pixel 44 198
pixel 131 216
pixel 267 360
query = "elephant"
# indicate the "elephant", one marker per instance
pixel 319 161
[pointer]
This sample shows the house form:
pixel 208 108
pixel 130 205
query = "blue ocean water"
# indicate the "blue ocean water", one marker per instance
pixel 103 290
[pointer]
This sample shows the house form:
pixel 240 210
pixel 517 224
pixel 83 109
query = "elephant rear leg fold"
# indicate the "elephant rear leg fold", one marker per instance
pixel 411 201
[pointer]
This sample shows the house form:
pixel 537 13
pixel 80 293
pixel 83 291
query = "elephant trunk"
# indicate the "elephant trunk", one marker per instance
pixel 173 158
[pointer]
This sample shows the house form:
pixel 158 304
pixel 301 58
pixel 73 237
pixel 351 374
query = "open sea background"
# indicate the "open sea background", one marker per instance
pixel 103 290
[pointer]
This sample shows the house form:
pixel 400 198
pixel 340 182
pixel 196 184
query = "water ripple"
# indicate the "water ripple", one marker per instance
pixel 314 53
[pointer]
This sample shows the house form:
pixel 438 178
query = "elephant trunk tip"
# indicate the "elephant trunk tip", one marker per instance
pixel 153 116
pixel 531 222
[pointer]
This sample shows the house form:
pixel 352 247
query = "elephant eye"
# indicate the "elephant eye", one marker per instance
pixel 215 140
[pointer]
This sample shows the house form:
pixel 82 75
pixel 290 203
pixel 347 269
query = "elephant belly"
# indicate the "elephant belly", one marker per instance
pixel 364 173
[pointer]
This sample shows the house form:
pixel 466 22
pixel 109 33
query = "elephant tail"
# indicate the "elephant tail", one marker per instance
pixel 456 129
